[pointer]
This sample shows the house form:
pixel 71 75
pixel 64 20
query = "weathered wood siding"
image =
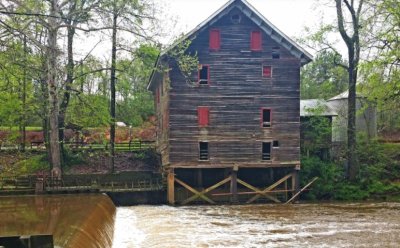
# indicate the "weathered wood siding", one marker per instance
pixel 236 94
pixel 161 102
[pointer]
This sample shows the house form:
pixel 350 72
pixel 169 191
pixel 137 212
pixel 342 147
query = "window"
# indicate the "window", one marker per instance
pixel 215 39
pixel 266 117
pixel 204 74
pixel 276 53
pixel 235 18
pixel 255 41
pixel 203 116
pixel 275 144
pixel 266 151
pixel 267 71
pixel 203 151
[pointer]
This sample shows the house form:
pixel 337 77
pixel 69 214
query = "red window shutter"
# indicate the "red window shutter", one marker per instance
pixel 256 43
pixel 203 116
pixel 267 71
pixel 215 39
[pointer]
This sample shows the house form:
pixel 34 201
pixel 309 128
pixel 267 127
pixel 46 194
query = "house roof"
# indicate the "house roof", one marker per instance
pixel 264 24
pixel 344 95
pixel 316 107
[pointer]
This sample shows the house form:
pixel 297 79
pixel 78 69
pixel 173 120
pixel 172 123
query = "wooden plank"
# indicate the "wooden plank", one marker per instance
pixel 234 191
pixel 252 193
pixel 303 189
pixel 270 188
pixel 258 191
pixel 196 193
pixel 202 193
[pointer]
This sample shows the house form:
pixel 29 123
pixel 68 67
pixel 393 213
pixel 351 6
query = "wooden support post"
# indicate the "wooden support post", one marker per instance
pixel 200 178
pixel 171 187
pixel 286 193
pixel 295 181
pixel 234 192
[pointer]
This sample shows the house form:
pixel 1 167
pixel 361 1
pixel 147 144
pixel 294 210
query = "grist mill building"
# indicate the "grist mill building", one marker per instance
pixel 230 131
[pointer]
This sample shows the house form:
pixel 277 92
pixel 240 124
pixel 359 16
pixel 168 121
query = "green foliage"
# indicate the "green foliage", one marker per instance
pixel 323 78
pixel 187 62
pixel 136 103
pixel 72 158
pixel 329 175
pixel 89 111
pixel 32 165
pixel 378 177
pixel 316 131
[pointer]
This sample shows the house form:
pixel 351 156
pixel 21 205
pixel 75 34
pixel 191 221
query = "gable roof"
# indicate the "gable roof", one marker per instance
pixel 345 95
pixel 307 108
pixel 264 24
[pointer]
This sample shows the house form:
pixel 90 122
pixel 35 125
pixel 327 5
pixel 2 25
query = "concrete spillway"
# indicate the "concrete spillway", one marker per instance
pixel 79 221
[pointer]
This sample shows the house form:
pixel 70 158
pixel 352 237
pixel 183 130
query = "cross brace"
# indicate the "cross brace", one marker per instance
pixel 203 193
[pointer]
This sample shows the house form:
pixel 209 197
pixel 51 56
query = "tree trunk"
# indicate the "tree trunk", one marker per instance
pixel 351 122
pixel 353 47
pixel 68 86
pixel 24 82
pixel 112 86
pixel 53 108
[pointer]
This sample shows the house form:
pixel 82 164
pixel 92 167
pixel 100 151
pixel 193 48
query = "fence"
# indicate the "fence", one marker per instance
pixel 128 181
pixel 134 145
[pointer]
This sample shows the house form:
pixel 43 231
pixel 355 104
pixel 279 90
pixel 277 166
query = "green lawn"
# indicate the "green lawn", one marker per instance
pixel 3 128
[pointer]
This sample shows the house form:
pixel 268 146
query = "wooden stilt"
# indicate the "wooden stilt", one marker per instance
pixel 295 181
pixel 234 192
pixel 200 178
pixel 286 193
pixel 171 187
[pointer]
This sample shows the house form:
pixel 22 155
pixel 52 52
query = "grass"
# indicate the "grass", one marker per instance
pixel 14 128
pixel 20 164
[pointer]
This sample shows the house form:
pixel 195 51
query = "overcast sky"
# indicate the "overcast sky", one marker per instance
pixel 290 16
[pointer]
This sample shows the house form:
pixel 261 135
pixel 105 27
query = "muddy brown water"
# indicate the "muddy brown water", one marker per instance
pixel 93 221
pixel 300 225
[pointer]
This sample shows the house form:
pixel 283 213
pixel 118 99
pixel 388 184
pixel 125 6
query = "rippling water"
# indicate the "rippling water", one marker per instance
pixel 301 225
pixel 88 221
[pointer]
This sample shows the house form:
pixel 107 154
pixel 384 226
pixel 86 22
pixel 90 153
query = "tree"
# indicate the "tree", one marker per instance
pixel 77 12
pixel 323 78
pixel 124 16
pixel 381 69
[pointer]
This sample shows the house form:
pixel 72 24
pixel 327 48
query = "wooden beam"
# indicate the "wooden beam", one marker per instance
pixel 196 193
pixel 258 191
pixel 300 191
pixel 234 191
pixel 202 193
pixel 251 193
pixel 171 187
pixel 266 190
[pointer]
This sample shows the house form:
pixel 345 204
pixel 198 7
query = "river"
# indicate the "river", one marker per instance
pixel 92 221
pixel 299 225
